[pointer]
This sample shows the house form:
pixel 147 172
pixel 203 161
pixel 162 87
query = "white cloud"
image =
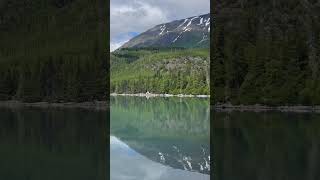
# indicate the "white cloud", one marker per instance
pixel 116 45
pixel 135 17
pixel 179 9
pixel 140 15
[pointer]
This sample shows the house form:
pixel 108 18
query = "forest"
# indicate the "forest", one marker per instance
pixel 266 52
pixel 160 70
pixel 53 50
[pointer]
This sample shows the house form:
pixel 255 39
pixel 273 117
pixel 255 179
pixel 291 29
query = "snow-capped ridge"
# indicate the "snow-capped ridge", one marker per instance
pixel 188 32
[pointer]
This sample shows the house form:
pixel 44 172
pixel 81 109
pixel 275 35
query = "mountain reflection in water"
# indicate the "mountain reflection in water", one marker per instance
pixel 159 138
pixel 52 144
pixel 271 145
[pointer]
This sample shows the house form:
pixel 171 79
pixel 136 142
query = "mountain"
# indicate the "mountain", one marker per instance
pixel 169 58
pixel 188 33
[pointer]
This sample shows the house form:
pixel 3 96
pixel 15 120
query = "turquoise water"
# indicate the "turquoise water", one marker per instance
pixel 159 138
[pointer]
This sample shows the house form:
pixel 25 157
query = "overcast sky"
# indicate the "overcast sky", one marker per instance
pixel 131 17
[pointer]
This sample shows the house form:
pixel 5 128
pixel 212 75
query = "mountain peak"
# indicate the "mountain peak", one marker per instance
pixel 188 33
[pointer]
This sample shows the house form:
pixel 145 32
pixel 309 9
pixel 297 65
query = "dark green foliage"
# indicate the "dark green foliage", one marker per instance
pixel 8 83
pixel 266 52
pixel 53 50
pixel 171 71
pixel 48 79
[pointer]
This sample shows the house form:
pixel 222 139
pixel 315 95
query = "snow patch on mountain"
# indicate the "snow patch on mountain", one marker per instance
pixel 201 21
pixel 177 37
pixel 204 38
pixel 190 22
pixel 182 23
pixel 162 28
pixel 208 22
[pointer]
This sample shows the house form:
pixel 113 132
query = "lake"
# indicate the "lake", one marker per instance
pixel 263 146
pixel 52 144
pixel 159 138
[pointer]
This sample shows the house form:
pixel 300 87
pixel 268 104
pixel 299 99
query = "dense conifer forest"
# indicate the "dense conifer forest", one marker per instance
pixel 53 50
pixel 266 52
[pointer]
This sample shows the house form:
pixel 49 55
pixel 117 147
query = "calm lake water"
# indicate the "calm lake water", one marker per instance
pixel 159 138
pixel 43 144
pixel 264 146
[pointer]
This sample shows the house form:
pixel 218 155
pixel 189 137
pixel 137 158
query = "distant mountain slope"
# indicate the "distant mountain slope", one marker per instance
pixel 189 33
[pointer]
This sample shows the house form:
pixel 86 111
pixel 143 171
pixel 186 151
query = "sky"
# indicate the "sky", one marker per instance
pixel 129 18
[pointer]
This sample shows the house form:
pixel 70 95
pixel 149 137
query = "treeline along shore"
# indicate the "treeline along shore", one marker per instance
pixel 90 105
pixel 149 95
pixel 54 79
pixel 265 108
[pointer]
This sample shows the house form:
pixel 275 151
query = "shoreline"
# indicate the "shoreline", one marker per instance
pixel 150 95
pixel 95 105
pixel 104 105
pixel 264 108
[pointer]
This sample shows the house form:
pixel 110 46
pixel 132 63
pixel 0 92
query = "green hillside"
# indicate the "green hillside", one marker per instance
pixel 174 71
pixel 53 50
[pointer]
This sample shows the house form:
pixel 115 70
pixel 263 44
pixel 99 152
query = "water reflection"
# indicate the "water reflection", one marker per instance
pixel 164 138
pixel 38 144
pixel 271 145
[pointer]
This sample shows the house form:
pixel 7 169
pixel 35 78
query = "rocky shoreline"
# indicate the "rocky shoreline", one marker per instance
pixel 95 105
pixel 264 108
pixel 150 95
